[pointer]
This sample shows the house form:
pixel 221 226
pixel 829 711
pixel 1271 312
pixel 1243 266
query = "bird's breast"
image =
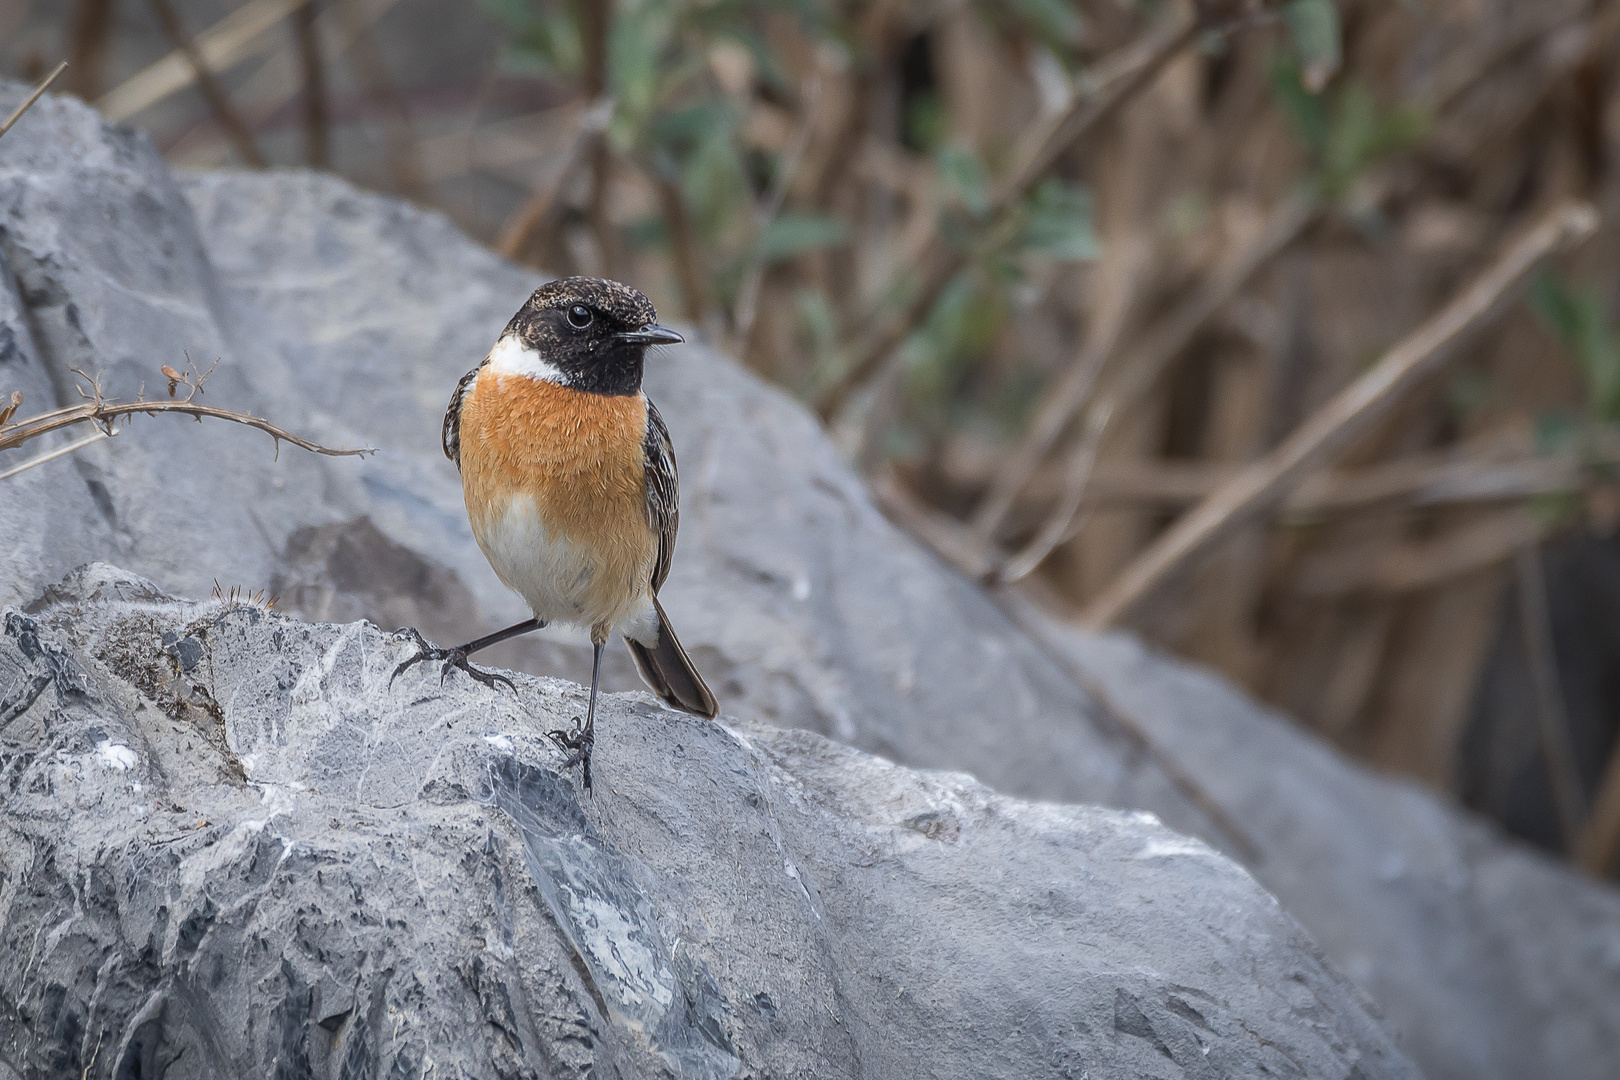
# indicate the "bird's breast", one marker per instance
pixel 555 485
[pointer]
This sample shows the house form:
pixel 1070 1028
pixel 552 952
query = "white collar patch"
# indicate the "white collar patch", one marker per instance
pixel 512 357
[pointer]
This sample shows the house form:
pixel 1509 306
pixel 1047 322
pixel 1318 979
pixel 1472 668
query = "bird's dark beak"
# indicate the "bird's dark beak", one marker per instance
pixel 651 334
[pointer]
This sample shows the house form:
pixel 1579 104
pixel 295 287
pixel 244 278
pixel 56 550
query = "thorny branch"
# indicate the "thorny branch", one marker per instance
pixel 104 413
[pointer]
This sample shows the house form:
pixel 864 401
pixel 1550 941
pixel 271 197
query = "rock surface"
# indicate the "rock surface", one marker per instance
pixel 349 317
pixel 1494 959
pixel 232 849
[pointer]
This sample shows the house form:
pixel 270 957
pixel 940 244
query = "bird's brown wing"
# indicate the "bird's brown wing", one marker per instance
pixel 663 492
pixel 451 435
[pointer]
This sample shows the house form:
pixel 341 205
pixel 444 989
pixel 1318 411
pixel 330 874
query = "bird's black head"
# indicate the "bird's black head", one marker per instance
pixel 592 332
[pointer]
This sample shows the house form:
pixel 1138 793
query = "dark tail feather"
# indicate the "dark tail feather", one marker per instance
pixel 668 671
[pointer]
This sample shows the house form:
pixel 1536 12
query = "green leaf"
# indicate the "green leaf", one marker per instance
pixel 960 327
pixel 647 233
pixel 1361 134
pixel 638 40
pixel 1314 26
pixel 818 319
pixel 963 175
pixel 1556 431
pixel 791 234
pixel 927 122
pixel 1345 131
pixel 715 183
pixel 1306 112
pixel 541 41
pixel 1053 21
pixel 683 130
pixel 1578 319
pixel 1059 223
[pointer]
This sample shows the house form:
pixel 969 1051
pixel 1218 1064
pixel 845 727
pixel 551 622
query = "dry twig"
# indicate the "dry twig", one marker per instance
pixel 1117 81
pixel 317 113
pixel 536 213
pixel 102 412
pixel 1449 478
pixel 1406 566
pixel 234 38
pixel 1142 366
pixel 92 19
pixel 1600 837
pixel 1552 723
pixel 219 102
pixel 748 295
pixel 1268 481
pixel 28 101
pixel 404 158
pixel 276 81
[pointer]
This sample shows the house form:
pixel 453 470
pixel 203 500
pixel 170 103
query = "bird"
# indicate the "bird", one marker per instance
pixel 569 478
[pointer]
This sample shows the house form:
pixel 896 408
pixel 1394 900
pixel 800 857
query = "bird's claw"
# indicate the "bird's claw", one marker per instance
pixel 580 742
pixel 452 658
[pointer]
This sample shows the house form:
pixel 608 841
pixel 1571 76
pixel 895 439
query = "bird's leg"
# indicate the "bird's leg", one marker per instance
pixel 581 739
pixel 457 657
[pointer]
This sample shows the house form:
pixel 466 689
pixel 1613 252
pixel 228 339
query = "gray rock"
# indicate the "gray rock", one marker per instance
pixel 1494 959
pixel 231 849
pixel 349 317
pixel 104 272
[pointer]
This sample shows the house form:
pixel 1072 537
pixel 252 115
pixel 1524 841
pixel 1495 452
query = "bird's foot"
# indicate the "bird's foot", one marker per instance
pixel 450 658
pixel 580 741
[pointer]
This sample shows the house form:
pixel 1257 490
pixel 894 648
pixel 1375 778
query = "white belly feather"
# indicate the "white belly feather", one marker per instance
pixel 553 574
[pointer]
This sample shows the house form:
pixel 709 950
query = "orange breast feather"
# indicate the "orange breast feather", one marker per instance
pixel 579 456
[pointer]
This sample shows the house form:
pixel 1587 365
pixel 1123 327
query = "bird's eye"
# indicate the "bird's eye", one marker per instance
pixel 579 316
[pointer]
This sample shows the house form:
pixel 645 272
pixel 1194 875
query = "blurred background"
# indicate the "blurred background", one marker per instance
pixel 1053 272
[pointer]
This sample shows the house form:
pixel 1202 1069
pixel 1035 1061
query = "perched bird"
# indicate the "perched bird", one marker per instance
pixel 569 479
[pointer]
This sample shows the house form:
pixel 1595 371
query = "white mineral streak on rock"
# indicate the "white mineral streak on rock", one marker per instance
pixel 116 756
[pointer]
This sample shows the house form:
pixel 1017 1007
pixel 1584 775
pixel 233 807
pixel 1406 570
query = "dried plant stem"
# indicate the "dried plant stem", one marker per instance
pixel 1117 296
pixel 1119 79
pixel 229 41
pixel 537 212
pixel 876 30
pixel 683 247
pixel 1402 566
pixel 1269 480
pixel 1141 367
pixel 1600 837
pixel 103 412
pixel 92 19
pixel 596 22
pixel 748 295
pixel 219 102
pixel 316 109
pixel 1420 480
pixel 28 102
pixel 60 451
pixel 1552 723
pixel 277 80
pixel 372 67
